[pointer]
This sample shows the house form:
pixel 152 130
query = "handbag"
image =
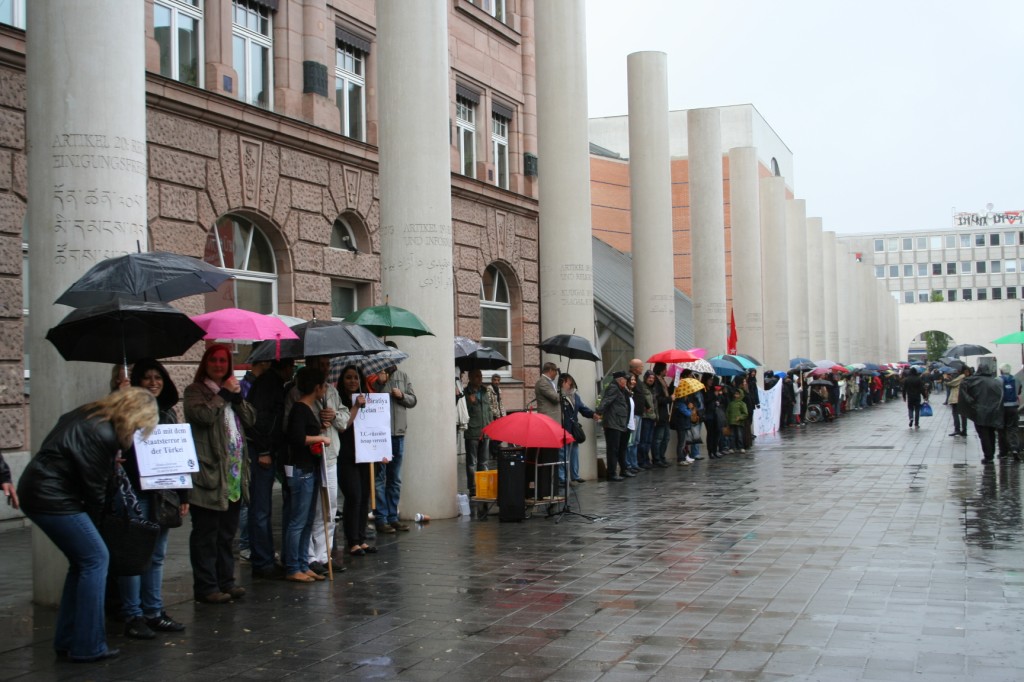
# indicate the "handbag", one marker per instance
pixel 166 509
pixel 577 433
pixel 129 537
pixel 926 409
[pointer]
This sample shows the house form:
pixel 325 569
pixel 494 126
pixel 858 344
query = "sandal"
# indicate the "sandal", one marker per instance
pixel 369 549
pixel 314 575
pixel 357 551
pixel 299 578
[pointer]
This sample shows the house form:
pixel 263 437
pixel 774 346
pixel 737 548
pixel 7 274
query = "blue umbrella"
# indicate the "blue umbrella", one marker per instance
pixel 724 368
pixel 872 366
pixel 793 362
pixel 738 360
pixel 780 374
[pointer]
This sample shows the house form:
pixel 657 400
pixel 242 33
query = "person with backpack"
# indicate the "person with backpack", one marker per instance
pixel 1009 435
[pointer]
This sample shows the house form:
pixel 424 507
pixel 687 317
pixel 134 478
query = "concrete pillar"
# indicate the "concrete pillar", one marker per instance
pixel 528 115
pixel 318 54
pixel 845 316
pixel 815 266
pixel 650 182
pixel 866 297
pixel 745 212
pixel 796 271
pixel 416 233
pixel 86 167
pixel 831 312
pixel 566 259
pixel 707 229
pixel 775 283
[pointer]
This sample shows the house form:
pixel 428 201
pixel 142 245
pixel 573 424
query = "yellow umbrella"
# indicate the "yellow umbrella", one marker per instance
pixel 687 387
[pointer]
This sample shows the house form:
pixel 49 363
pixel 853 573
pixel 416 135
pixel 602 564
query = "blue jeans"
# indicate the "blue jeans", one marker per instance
pixel 659 442
pixel 80 628
pixel 141 595
pixel 243 527
pixel 388 483
pixel 631 462
pixel 261 534
pixel 571 452
pixel 643 446
pixel 298 525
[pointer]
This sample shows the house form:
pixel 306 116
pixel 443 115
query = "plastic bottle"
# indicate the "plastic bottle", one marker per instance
pixel 421 518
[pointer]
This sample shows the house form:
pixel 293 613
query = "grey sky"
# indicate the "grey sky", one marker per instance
pixel 895 111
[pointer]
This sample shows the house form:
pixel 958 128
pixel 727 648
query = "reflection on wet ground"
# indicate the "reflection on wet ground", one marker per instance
pixel 855 550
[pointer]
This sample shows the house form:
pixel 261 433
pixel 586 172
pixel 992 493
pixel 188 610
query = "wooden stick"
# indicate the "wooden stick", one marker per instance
pixel 325 509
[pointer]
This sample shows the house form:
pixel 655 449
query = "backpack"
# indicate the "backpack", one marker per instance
pixel 1009 390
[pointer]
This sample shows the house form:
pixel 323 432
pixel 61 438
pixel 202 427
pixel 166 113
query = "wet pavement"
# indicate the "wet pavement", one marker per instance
pixel 856 550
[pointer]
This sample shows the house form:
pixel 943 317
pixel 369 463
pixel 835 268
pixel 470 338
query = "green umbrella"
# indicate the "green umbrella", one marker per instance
pixel 1015 337
pixel 388 320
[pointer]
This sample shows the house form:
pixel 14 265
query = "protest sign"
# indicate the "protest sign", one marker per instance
pixel 373 428
pixel 168 450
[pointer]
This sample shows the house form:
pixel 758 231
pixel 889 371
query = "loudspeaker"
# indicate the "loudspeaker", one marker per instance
pixel 511 483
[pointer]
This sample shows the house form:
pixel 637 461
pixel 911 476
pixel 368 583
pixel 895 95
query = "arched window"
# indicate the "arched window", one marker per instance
pixel 343 236
pixel 496 314
pixel 239 247
pixel 775 167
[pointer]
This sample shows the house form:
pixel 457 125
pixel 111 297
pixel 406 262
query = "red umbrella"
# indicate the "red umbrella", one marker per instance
pixel 529 429
pixel 673 356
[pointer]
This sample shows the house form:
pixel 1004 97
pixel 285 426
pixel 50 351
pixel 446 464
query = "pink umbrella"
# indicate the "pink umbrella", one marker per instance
pixel 235 324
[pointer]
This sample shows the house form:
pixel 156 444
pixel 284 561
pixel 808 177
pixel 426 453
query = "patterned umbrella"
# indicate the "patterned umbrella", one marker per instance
pixel 687 386
pixel 367 364
pixel 699 366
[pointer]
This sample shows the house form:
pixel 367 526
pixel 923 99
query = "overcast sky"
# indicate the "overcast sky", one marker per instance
pixel 896 111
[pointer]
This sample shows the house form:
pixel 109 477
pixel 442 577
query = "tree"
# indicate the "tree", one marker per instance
pixel 936 343
pixel 937 296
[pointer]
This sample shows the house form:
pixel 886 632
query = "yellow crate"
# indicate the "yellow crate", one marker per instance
pixel 487 484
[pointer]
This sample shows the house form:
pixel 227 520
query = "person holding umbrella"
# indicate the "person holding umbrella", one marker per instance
pixel 218 414
pixel 614 414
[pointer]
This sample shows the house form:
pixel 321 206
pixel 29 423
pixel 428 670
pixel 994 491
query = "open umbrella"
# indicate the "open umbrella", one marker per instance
pixel 528 429
pixel 725 368
pixel 793 362
pixel 236 324
pixel 804 366
pixel 482 358
pixel 967 349
pixel 738 360
pixel 123 331
pixel 673 356
pixel 754 360
pixel 821 382
pixel 389 320
pixel 367 364
pixel 151 276
pixel 1015 337
pixel 700 366
pixel 570 346
pixel 323 337
pixel 687 386
pixel 464 346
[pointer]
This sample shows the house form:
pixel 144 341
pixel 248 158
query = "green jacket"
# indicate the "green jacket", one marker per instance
pixel 736 412
pixel 479 411
pixel 204 410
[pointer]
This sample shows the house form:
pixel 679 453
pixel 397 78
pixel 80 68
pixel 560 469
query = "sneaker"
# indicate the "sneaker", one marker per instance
pixel 743 451
pixel 137 628
pixel 690 460
pixel 397 525
pixel 387 530
pixel 685 462
pixel 245 555
pixel 164 623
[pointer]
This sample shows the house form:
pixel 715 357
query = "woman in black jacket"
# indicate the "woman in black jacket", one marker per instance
pixel 63 491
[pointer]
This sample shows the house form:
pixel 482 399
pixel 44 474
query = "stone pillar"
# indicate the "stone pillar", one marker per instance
pixel 814 264
pixel 318 104
pixel 831 312
pixel 566 259
pixel 745 212
pixel 528 115
pixel 775 283
pixel 416 234
pixel 707 229
pixel 845 318
pixel 86 165
pixel 650 182
pixel 796 273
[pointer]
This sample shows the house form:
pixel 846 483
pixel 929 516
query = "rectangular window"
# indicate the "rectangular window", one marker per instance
pixel 879 245
pixel 1011 292
pixel 965 267
pixel 251 44
pixel 965 241
pixel 924 296
pixel 922 269
pixel 979 240
pixel 343 300
pixel 12 13
pixel 908 296
pixel 995 267
pixel 982 294
pixel 465 126
pixel 993 240
pixel 879 271
pixel 908 270
pixel 950 241
pixel 968 295
pixel 499 148
pixel 894 271
pixel 936 268
pixel 496 8
pixel 921 243
pixel 1010 266
pixel 951 268
pixel 908 244
pixel 997 294
pixel 935 242
pixel 980 267
pixel 176 27
pixel 894 244
pixel 350 88
pixel 951 295
pixel 1009 239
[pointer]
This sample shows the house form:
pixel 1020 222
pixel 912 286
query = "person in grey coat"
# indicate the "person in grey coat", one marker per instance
pixel 981 400
pixel 614 413
pixel 388 480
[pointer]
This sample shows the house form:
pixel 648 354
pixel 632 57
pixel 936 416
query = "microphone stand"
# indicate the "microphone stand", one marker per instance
pixel 566 510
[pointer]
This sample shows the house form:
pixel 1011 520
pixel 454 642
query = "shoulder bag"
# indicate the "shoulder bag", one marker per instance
pixel 129 537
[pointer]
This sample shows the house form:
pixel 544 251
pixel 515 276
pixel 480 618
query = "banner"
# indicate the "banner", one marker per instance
pixel 168 450
pixel 373 428
pixel 766 417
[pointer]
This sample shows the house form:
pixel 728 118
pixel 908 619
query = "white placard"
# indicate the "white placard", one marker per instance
pixel 168 450
pixel 373 428
pixel 168 482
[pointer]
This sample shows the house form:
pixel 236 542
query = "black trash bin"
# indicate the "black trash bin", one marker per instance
pixel 511 483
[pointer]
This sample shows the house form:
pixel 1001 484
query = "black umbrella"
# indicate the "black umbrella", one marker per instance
pixel 821 382
pixel 804 367
pixel 967 349
pixel 151 276
pixel 570 346
pixel 323 337
pixel 482 358
pixel 124 331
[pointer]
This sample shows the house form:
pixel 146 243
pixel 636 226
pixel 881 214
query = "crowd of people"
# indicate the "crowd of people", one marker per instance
pixel 274 425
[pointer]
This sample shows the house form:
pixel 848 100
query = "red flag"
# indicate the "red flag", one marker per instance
pixel 733 336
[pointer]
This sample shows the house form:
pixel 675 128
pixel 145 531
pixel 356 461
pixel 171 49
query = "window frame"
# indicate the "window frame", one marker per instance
pixel 908 296
pixel 250 38
pixel 951 267
pixel 982 294
pixel 489 300
pixel 18 14
pixel 499 142
pixel 993 238
pixel 936 269
pixel 879 272
pixel 465 127
pixel 951 295
pixel 244 274
pixel 995 267
pixel 1011 293
pixel 1010 266
pixel 879 245
pixel 981 268
pixel 195 12
pixel 967 295
pixel 908 244
pixel 966 267
pixel 355 76
pixel 908 269
pixel 894 272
